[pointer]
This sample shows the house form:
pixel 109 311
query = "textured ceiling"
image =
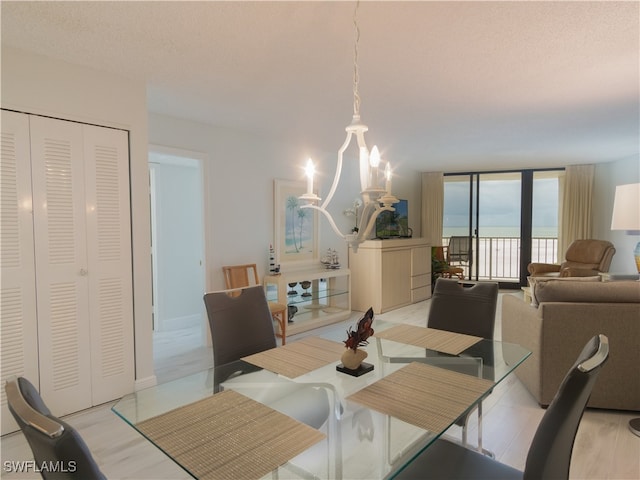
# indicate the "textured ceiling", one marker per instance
pixel 444 85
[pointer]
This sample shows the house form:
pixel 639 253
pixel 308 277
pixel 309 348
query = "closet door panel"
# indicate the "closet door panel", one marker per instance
pixel 109 254
pixel 18 321
pixel 61 260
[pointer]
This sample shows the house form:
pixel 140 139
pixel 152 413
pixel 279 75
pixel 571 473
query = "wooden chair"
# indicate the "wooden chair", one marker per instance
pixel 458 251
pixel 441 266
pixel 240 276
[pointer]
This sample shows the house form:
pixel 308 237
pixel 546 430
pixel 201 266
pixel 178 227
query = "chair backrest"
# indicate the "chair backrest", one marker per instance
pixel 239 276
pixel 589 253
pixel 469 310
pixel 458 250
pixel 550 452
pixel 241 324
pixel 53 442
pixel 438 253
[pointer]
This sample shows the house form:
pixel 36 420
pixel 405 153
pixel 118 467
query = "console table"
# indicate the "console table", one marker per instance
pixel 326 300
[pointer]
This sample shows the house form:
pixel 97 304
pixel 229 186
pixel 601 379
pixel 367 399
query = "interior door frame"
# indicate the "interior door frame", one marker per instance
pixel 203 161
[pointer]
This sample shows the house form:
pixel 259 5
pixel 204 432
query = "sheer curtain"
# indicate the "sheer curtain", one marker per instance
pixel 432 206
pixel 576 212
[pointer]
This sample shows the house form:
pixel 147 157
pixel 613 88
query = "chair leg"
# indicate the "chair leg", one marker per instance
pixel 479 448
pixel 282 321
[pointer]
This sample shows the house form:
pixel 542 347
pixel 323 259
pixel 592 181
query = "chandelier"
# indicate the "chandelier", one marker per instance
pixel 375 181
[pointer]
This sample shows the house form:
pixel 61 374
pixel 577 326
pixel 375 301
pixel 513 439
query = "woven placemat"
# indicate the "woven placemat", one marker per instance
pixel 431 338
pixel 229 436
pixel 423 395
pixel 298 358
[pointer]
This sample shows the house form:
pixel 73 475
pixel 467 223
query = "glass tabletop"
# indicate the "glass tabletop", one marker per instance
pixel 360 442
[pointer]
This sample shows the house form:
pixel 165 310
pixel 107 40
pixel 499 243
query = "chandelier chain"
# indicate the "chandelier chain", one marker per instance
pixel 356 73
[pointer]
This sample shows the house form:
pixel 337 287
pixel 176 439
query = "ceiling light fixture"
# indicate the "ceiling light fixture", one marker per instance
pixel 375 185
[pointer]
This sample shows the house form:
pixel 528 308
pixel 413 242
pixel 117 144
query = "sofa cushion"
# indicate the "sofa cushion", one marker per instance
pixel 574 290
pixel 535 281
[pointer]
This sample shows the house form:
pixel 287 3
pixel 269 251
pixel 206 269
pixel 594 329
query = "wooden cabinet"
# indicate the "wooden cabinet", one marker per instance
pixel 315 296
pixel 388 274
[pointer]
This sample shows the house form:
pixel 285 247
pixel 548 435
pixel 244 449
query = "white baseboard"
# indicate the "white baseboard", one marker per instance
pixel 146 382
pixel 176 323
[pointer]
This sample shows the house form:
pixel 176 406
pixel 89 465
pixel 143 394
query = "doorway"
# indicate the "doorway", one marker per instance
pixel 178 259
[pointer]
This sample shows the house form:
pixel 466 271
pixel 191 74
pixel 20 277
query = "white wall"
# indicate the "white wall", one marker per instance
pixel 40 85
pixel 238 178
pixel 239 189
pixel 608 176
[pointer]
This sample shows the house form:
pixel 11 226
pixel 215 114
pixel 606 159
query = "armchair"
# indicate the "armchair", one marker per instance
pixel 584 258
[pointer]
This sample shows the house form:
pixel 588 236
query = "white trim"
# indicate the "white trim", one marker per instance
pixel 177 323
pixel 191 158
pixel 146 382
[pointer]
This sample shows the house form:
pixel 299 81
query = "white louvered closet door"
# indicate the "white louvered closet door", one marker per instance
pixel 18 322
pixel 61 264
pixel 109 269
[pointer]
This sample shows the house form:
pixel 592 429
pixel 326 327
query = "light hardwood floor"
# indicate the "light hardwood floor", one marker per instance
pixel 604 447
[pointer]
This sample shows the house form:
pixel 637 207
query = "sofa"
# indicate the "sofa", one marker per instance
pixel 567 315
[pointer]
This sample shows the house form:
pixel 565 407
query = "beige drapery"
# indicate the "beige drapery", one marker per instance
pixel 432 206
pixel 576 210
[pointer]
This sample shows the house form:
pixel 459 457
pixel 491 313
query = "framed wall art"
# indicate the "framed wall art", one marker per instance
pixel 295 229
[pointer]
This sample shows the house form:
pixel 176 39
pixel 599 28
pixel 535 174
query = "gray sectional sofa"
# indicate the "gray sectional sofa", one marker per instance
pixel 567 315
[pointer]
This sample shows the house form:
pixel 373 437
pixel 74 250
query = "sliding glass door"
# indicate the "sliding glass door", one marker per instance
pixel 504 220
pixel 498 220
pixel 457 227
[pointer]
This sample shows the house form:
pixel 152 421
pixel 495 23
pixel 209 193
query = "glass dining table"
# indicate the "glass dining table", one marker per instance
pixel 358 440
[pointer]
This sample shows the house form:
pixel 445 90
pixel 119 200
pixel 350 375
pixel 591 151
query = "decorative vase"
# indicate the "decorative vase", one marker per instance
pixel 352 359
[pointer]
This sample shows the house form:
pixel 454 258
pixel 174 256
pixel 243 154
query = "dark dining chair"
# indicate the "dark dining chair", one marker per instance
pixel 550 451
pixel 240 276
pixel 53 442
pixel 241 325
pixel 465 309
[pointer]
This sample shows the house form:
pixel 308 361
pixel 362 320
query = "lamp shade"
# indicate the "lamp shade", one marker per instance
pixel 626 208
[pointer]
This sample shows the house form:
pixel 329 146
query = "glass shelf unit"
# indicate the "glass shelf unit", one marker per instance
pixel 326 300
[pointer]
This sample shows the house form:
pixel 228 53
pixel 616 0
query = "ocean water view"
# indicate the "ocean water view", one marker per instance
pixel 514 231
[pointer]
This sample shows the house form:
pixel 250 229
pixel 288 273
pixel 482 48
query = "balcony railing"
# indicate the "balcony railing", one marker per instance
pixel 498 258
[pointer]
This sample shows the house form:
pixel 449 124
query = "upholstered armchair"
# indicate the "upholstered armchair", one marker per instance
pixel 584 258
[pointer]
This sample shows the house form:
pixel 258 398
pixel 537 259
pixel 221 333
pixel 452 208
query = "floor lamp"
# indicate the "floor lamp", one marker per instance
pixel 626 216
